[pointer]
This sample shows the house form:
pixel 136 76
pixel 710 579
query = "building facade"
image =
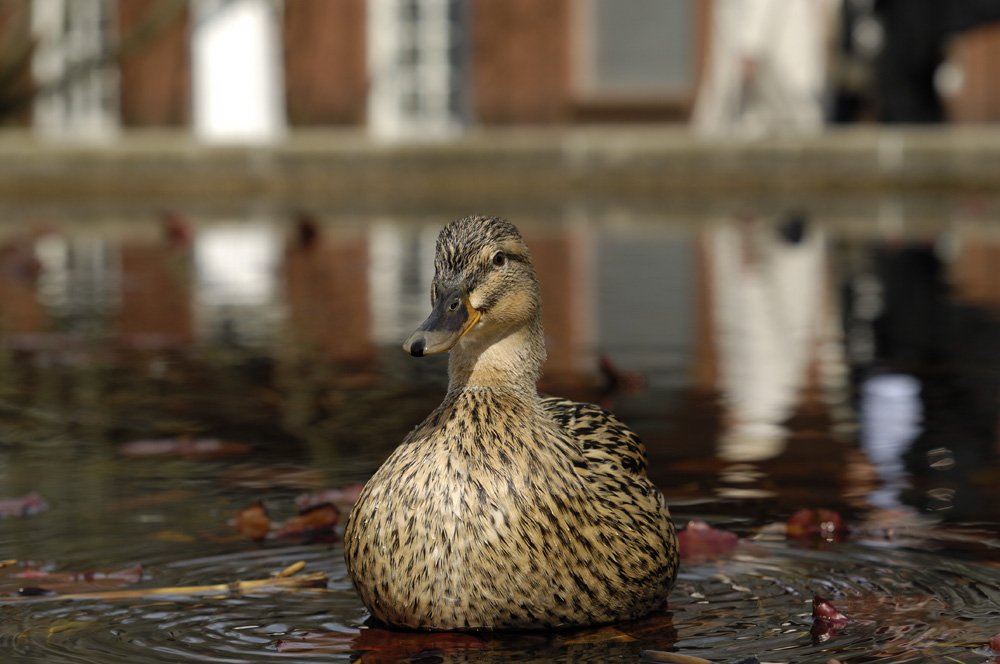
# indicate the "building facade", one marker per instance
pixel 401 68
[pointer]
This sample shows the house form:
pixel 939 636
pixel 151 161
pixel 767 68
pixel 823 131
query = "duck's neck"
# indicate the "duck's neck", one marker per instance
pixel 510 362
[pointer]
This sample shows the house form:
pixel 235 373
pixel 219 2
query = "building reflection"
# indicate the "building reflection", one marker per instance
pixel 563 259
pixel 924 342
pixel 730 347
pixel 21 313
pixel 156 308
pixel 236 287
pixel 327 291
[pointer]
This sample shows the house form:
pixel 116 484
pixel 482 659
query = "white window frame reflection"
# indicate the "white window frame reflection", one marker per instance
pixel 236 282
pixel 401 268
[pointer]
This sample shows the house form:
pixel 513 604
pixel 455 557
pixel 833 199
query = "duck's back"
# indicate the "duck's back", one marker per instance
pixel 616 471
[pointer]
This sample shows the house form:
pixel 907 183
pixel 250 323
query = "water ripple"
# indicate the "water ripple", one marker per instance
pixel 903 606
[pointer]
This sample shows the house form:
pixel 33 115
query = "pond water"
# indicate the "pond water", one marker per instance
pixel 161 374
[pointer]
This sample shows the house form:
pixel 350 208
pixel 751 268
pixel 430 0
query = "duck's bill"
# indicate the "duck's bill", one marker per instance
pixel 451 318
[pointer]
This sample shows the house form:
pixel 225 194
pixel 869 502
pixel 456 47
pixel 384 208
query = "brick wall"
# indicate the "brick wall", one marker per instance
pixel 155 85
pixel 325 65
pixel 977 52
pixel 521 61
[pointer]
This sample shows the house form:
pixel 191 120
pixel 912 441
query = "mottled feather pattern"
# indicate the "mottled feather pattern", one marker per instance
pixel 513 527
pixel 503 509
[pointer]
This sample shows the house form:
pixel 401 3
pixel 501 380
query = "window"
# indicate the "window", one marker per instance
pixel 417 64
pixel 637 49
pixel 78 91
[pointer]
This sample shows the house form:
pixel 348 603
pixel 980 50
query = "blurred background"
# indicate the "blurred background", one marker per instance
pixel 256 70
pixel 780 211
pixel 767 232
pixel 753 219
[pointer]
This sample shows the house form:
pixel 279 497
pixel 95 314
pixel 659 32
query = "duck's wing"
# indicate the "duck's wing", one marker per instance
pixel 605 441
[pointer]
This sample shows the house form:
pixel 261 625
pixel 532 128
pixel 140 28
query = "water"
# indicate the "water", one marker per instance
pixel 769 364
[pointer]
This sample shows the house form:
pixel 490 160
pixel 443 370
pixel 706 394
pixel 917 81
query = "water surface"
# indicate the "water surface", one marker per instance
pixel 162 373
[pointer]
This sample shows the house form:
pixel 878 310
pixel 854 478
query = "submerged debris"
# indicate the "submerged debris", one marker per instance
pixel 28 505
pixel 700 541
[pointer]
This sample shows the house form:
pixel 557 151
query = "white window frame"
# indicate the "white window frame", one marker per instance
pixel 70 34
pixel 431 84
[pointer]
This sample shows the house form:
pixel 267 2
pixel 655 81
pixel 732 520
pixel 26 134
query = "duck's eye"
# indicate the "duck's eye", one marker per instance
pixel 499 258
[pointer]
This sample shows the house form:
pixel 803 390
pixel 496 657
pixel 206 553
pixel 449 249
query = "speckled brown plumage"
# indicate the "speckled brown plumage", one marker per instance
pixel 505 509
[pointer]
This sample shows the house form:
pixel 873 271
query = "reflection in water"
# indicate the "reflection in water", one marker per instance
pixel 771 316
pixel 915 308
pixel 236 281
pixel 327 291
pixel 156 308
pixel 729 346
pixel 890 416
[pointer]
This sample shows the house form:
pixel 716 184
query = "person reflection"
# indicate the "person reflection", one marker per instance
pixel 769 313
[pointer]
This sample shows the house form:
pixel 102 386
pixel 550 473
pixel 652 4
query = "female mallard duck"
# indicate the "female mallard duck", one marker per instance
pixel 505 509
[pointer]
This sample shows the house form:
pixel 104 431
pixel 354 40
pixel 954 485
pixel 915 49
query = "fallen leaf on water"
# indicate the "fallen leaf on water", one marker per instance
pixel 312 523
pixel 28 505
pixel 822 524
pixel 827 620
pixel 824 610
pixel 995 644
pixel 700 541
pixel 253 521
pixel 189 448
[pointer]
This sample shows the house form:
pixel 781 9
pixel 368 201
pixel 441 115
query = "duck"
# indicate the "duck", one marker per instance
pixel 506 509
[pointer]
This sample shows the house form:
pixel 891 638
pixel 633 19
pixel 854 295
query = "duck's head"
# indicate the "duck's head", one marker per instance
pixel 484 286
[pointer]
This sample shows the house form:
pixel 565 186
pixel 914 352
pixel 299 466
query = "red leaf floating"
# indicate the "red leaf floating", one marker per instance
pixel 698 541
pixel 995 644
pixel 827 620
pixel 824 610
